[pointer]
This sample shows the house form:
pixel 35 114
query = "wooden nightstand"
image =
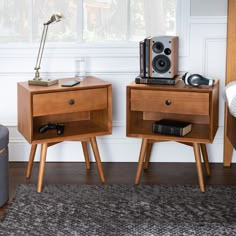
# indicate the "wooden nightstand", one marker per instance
pixel 149 103
pixel 85 110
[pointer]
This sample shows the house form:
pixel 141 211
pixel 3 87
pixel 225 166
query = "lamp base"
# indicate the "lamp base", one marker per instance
pixel 41 82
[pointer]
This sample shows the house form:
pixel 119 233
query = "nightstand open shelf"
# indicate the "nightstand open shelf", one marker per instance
pixel 144 129
pixel 75 124
pixel 72 130
pixel 149 103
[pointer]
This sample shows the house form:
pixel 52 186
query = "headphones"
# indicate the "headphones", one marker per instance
pixel 196 80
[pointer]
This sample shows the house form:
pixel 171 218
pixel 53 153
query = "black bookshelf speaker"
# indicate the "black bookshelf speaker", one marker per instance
pixel 164 55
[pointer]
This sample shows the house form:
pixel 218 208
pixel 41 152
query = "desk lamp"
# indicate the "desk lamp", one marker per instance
pixel 37 79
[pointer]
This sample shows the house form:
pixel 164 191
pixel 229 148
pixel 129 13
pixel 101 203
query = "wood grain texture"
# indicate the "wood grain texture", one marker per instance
pixel 229 121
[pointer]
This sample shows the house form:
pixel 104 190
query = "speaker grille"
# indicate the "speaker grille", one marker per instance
pixel 161 64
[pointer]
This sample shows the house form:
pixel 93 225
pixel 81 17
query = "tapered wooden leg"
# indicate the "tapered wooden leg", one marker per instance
pixel 141 159
pixel 43 154
pixel 97 158
pixel 205 158
pixel 147 155
pixel 228 152
pixel 86 154
pixel 197 154
pixel 31 160
pixel 228 147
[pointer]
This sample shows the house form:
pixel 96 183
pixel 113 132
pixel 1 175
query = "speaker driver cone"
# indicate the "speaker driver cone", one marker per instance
pixel 161 64
pixel 158 47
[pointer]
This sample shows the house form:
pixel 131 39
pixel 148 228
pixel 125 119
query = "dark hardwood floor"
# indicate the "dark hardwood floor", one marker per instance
pixel 122 173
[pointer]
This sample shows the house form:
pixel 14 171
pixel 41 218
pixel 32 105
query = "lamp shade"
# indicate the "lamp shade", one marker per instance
pixel 54 18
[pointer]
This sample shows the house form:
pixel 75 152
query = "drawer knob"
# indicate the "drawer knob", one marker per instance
pixel 72 101
pixel 168 102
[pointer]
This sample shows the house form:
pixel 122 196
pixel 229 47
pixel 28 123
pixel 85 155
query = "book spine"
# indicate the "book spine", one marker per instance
pixel 142 58
pixel 169 130
pixel 147 56
pixel 150 74
pixel 139 80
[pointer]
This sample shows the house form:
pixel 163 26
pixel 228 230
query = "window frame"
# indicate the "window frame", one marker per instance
pixel 121 48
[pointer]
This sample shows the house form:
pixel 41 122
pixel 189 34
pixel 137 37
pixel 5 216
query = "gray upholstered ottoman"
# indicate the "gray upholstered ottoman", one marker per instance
pixel 4 184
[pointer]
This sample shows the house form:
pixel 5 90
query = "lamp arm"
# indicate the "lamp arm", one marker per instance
pixel 41 47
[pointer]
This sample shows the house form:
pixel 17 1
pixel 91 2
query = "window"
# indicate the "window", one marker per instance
pixel 87 20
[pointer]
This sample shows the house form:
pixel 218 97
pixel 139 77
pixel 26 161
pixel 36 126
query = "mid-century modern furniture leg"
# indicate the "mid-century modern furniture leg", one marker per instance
pixel 197 155
pixel 205 158
pixel 228 148
pixel 31 160
pixel 97 158
pixel 86 154
pixel 147 155
pixel 43 154
pixel 141 159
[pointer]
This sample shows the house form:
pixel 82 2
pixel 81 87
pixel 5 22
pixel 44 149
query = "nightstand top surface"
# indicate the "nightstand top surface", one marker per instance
pixel 88 82
pixel 180 85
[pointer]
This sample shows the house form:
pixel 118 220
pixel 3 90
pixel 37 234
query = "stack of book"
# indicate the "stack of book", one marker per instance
pixel 143 80
pixel 172 127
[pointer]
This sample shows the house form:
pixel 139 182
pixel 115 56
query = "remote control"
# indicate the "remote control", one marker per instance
pixel 58 127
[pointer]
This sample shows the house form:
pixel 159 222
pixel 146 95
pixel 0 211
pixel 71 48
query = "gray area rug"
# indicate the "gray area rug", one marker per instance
pixel 121 210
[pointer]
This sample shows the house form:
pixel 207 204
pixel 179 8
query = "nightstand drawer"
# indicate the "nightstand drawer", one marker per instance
pixel 69 101
pixel 170 102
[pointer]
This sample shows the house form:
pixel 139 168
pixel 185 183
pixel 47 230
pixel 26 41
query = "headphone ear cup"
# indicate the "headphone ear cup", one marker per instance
pixel 196 80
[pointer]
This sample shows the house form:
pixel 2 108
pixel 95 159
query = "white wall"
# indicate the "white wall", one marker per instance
pixel 203 46
pixel 208 7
